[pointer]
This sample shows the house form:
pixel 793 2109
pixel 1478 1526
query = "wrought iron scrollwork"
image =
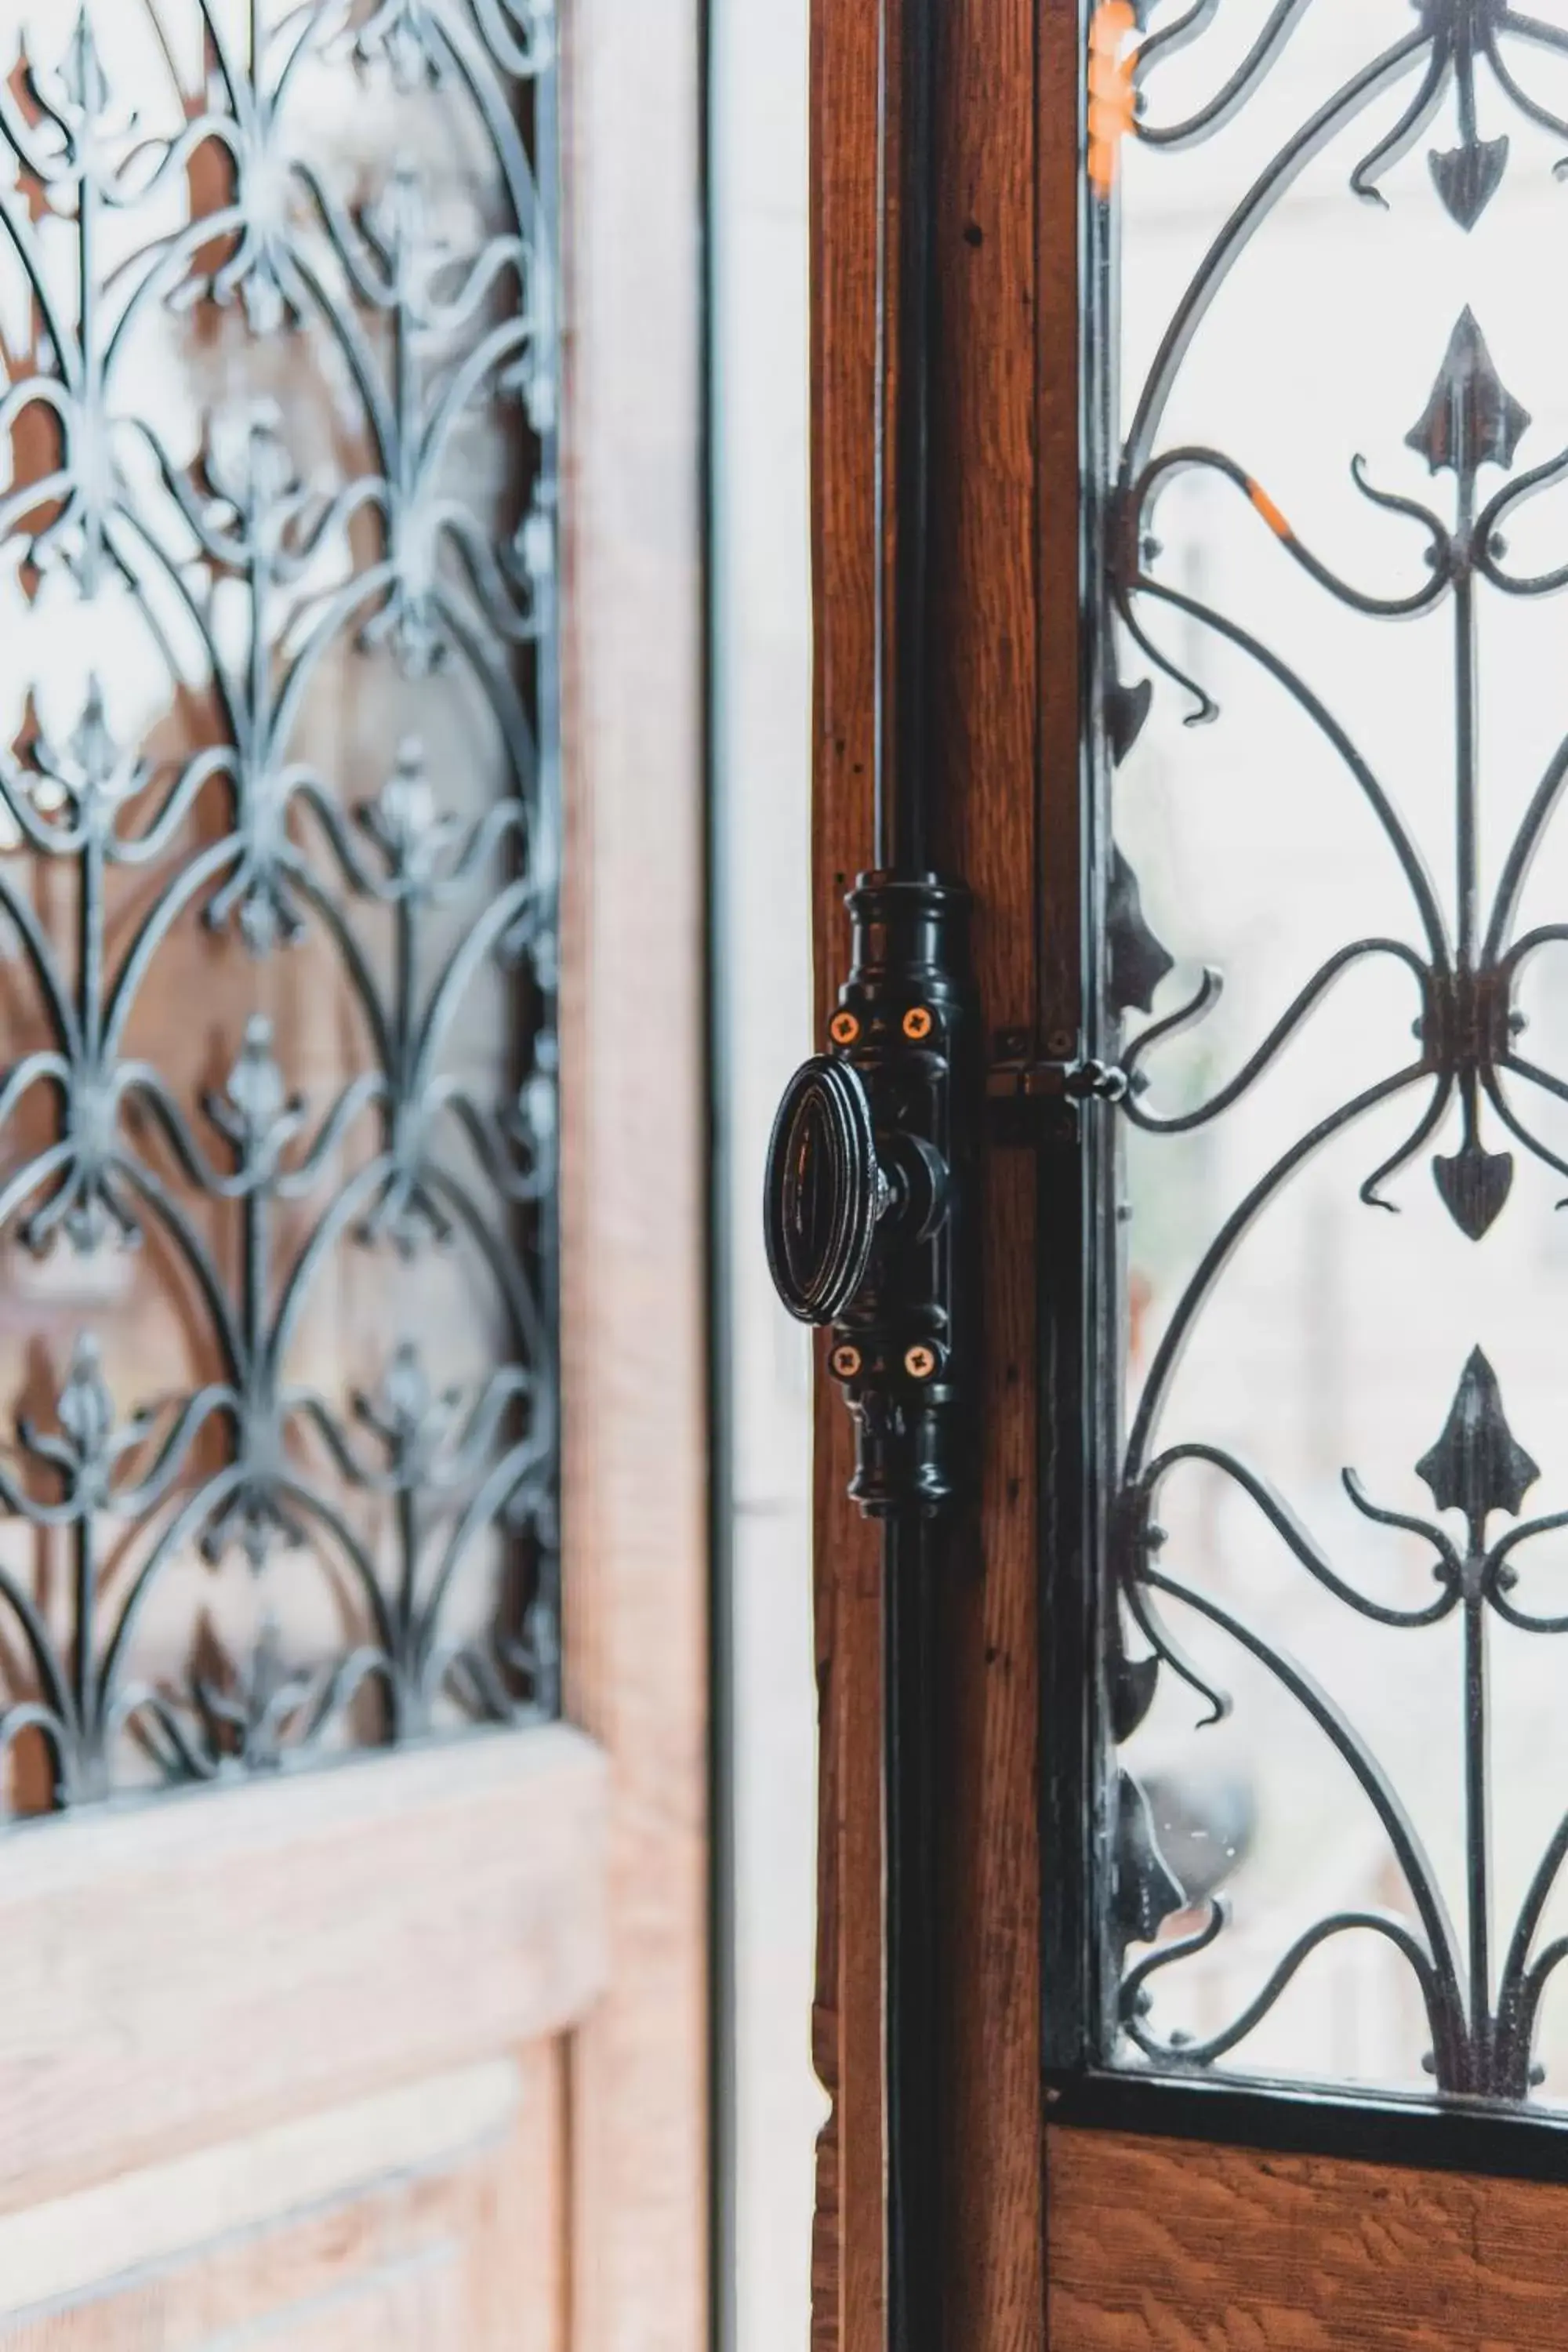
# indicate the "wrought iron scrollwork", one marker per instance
pixel 1467 977
pixel 1481 2040
pixel 1466 961
pixel 266 567
pixel 1454 38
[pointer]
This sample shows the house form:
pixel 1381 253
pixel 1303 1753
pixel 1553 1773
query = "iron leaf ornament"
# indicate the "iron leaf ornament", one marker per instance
pixel 1466 177
pixel 1473 1185
pixel 1471 419
pixel 1147 1891
pixel 1478 1465
pixel 1138 961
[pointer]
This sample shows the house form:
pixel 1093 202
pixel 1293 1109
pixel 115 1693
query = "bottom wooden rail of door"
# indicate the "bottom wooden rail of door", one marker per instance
pixel 1165 2245
pixel 286 2064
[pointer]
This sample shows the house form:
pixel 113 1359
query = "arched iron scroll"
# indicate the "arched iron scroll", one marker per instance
pixel 1463 960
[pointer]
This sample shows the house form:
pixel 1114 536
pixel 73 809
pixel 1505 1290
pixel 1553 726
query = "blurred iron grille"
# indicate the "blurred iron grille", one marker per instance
pixel 278 883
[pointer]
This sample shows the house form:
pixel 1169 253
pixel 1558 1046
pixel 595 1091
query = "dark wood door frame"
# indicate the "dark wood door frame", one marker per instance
pixel 1003 704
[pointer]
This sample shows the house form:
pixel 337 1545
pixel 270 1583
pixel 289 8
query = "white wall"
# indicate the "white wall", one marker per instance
pixel 763 758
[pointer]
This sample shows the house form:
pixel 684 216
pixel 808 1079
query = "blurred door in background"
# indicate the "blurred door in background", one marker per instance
pixel 353 1523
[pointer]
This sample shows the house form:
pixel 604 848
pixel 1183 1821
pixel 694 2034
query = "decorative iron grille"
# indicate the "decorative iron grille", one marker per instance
pixel 1470 1081
pixel 278 883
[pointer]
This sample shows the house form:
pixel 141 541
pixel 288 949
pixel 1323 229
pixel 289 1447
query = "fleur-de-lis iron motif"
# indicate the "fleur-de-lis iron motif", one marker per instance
pixel 100 1472
pixel 1469 971
pixel 1450 41
pixel 253 569
pixel 438 1444
pixel 421 39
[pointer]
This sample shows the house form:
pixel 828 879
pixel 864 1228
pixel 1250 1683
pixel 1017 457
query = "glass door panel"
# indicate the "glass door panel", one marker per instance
pixel 1330 408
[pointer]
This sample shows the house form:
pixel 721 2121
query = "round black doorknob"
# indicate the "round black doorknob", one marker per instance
pixel 825 1191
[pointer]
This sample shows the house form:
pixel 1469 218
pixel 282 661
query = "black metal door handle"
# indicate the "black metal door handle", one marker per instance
pixel 866 1215
pixel 826 1191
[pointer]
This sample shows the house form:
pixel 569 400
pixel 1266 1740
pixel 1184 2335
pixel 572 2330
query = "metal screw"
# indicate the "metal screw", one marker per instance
pixel 845 1362
pixel 920 1362
pixel 1062 1044
pixel 844 1028
pixel 917 1024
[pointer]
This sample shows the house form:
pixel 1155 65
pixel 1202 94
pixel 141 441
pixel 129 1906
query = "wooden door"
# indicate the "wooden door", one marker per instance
pixel 1247 1926
pixel 352 1559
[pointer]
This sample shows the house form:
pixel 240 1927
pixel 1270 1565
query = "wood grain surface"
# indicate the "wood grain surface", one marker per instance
pixel 986 698
pixel 1170 2246
pixel 846 2039
pixel 419 2249
pixel 989 702
pixel 635 1170
pixel 217 1961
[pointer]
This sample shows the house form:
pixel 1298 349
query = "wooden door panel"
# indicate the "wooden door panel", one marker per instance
pixel 305 2072
pixel 1168 2245
pixel 411 2053
pixel 214 1963
pixel 427 2220
pixel 166 2215
pixel 431 2214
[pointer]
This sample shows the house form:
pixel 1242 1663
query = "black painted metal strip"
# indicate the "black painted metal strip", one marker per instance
pixel 1425 2135
pixel 911 1712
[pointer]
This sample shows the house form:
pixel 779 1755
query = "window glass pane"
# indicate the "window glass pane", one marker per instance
pixel 1333 964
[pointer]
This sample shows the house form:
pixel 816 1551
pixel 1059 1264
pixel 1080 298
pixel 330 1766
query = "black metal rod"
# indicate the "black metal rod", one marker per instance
pixel 911 1704
pixel 906 313
pixel 912 1710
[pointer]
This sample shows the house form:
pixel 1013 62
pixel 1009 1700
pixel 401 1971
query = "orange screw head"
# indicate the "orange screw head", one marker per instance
pixel 846 1361
pixel 917 1024
pixel 920 1362
pixel 844 1028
